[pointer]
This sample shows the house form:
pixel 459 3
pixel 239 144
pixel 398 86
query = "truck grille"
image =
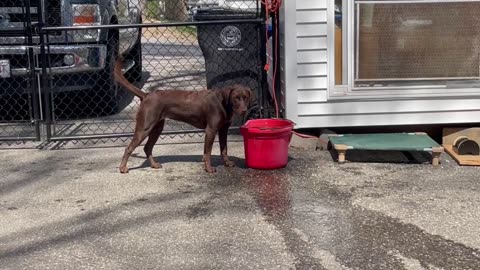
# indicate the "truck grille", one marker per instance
pixel 13 15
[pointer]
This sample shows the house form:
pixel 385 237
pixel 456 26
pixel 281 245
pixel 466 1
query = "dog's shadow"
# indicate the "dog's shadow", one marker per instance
pixel 165 159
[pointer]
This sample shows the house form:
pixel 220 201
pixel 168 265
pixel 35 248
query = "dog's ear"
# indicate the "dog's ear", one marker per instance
pixel 225 94
pixel 234 87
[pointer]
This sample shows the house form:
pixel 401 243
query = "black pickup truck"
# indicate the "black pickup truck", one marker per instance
pixel 80 60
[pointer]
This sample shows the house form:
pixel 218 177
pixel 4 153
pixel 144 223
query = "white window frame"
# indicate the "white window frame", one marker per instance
pixel 348 91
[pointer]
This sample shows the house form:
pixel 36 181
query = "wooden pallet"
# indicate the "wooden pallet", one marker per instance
pixel 449 137
pixel 386 142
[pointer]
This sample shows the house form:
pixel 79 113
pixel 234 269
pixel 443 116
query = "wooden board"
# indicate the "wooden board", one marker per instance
pixel 467 160
pixel 450 135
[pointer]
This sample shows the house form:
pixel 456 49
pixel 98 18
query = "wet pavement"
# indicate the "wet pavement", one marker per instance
pixel 71 209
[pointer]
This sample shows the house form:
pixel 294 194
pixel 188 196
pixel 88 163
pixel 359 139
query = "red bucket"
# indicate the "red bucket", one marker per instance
pixel 266 143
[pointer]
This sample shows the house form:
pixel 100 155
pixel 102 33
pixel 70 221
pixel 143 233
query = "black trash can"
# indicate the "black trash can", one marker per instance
pixel 234 53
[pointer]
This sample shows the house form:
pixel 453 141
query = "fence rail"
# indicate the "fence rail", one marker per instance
pixel 66 92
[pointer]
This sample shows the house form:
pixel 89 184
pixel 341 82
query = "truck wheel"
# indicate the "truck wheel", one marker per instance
pixel 134 74
pixel 106 82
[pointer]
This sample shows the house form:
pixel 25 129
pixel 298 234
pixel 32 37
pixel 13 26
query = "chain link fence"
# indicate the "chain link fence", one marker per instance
pixel 67 87
pixel 19 103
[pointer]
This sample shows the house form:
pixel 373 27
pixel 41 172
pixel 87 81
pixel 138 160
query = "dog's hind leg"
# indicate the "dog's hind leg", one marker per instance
pixel 152 139
pixel 136 141
pixel 142 130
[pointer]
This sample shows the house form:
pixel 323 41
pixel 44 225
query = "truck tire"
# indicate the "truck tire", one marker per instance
pixel 106 83
pixel 134 74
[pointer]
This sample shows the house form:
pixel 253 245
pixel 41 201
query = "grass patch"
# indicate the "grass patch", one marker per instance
pixel 189 30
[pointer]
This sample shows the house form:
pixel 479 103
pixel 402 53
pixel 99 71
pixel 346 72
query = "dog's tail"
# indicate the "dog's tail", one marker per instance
pixel 124 82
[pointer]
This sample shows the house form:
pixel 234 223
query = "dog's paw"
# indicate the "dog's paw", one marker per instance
pixel 156 165
pixel 210 170
pixel 124 169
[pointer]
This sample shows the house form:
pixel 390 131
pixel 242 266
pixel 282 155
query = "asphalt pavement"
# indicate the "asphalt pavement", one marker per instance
pixel 71 209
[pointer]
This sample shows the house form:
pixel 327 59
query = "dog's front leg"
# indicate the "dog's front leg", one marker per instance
pixel 222 139
pixel 207 149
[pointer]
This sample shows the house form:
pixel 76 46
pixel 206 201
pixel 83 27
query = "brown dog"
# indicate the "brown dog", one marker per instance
pixel 206 109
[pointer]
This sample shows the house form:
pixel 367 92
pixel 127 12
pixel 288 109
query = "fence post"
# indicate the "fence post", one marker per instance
pixel 33 76
pixel 44 89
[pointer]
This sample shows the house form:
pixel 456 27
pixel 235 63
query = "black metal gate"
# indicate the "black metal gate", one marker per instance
pixel 19 93
pixel 69 91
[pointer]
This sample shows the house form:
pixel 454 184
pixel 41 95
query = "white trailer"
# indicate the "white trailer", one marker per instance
pixel 378 63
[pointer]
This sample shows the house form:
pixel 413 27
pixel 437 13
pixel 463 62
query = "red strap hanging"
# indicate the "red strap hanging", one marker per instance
pixel 273 7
